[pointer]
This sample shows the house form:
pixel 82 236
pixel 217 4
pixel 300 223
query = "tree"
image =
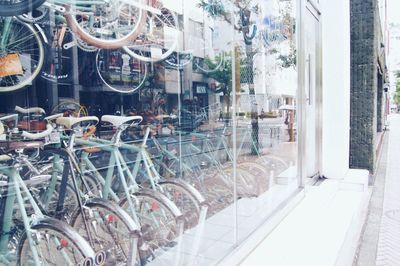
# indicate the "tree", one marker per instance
pixel 223 75
pixel 397 93
pixel 243 10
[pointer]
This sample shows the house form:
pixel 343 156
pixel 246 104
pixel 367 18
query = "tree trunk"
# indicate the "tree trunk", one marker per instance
pixel 253 102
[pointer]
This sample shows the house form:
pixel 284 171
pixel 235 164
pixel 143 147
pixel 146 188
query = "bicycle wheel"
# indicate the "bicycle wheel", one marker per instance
pixel 108 25
pixel 15 8
pixel 160 221
pixel 119 71
pixel 210 61
pixel 112 230
pixel 186 198
pixel 255 168
pixel 245 182
pixel 179 60
pixel 58 65
pixel 34 16
pixel 38 187
pixel 50 204
pixel 57 244
pixel 273 163
pixel 158 39
pixel 21 54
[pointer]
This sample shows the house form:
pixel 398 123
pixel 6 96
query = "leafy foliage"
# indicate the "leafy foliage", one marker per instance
pixel 223 74
pixel 214 8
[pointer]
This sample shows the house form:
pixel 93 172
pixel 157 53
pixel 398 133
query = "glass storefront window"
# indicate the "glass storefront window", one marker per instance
pixel 182 112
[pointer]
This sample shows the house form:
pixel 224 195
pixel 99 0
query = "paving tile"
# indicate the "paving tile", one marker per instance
pixel 389 232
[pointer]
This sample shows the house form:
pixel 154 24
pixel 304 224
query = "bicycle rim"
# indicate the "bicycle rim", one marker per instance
pixel 99 30
pixel 119 71
pixel 58 62
pixel 25 47
pixel 210 63
pixel 179 60
pixel 160 227
pixel 111 229
pixel 158 40
pixel 184 200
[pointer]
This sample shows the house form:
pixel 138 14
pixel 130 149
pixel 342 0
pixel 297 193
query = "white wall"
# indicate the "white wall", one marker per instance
pixel 336 87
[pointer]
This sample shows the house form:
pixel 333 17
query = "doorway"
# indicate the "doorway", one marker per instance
pixel 313 89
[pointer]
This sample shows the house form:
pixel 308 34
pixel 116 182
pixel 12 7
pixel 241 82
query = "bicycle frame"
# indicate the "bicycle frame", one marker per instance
pixel 14 192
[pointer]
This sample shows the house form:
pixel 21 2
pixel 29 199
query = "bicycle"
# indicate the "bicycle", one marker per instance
pixel 121 72
pixel 12 8
pixel 158 38
pixel 21 45
pixel 44 239
pixel 21 54
pixel 160 220
pixel 107 227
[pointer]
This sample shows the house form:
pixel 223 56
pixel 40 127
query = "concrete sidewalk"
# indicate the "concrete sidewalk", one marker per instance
pixel 322 230
pixel 380 243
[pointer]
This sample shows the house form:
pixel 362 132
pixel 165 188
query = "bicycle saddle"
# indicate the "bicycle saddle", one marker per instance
pixel 117 121
pixel 4 158
pixel 69 122
pixel 53 117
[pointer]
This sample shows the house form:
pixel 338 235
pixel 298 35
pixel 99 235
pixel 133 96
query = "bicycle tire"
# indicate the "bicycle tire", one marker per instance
pixel 40 54
pixel 34 16
pixel 213 67
pixel 104 43
pixel 142 49
pixel 123 89
pixel 245 182
pixel 19 8
pixel 70 237
pixel 107 219
pixel 185 58
pixel 160 234
pixel 256 169
pixel 186 198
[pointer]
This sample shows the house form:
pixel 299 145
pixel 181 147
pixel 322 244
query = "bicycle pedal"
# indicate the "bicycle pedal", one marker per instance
pixel 171 244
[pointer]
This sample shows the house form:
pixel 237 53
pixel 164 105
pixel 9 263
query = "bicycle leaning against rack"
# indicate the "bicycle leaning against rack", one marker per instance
pixel 44 240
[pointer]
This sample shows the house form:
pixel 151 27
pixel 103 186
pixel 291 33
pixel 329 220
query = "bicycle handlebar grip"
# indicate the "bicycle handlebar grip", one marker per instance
pixel 29 110
pixel 40 135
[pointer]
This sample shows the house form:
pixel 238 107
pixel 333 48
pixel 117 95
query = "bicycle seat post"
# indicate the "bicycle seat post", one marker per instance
pixel 146 136
pixel 116 139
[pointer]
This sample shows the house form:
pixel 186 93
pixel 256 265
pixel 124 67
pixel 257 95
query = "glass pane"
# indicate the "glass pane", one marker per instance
pixel 182 112
pixel 266 111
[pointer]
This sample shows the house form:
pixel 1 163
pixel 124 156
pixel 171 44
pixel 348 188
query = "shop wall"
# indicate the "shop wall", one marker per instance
pixel 367 63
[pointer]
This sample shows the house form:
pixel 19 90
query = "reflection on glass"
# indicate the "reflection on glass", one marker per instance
pixel 197 132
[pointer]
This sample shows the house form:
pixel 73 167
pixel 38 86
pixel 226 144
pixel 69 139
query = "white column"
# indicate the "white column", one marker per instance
pixel 336 87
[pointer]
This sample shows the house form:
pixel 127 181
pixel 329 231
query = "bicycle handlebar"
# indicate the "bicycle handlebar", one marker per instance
pixel 9 117
pixel 29 110
pixel 53 117
pixel 40 135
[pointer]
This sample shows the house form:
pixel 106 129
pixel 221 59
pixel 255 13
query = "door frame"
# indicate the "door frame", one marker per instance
pixel 309 8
